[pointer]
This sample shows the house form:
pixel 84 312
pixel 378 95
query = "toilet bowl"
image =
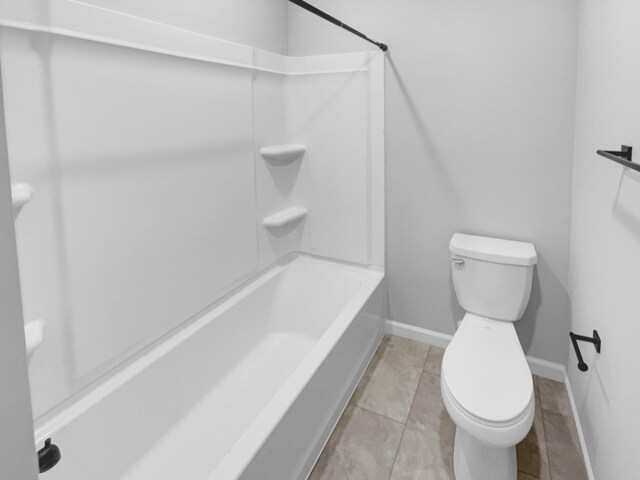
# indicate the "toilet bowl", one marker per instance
pixel 487 387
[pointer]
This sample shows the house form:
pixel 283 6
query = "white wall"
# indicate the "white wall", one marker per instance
pixel 259 23
pixel 17 455
pixel 605 242
pixel 479 135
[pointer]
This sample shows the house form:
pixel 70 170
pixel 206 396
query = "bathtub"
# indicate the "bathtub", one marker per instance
pixel 251 389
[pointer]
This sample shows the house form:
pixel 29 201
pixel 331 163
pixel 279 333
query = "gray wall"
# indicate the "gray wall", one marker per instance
pixel 605 243
pixel 480 101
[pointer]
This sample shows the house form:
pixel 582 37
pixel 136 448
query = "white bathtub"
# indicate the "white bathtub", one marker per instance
pixel 251 389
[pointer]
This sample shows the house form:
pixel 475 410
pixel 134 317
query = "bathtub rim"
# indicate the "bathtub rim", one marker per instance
pixel 76 405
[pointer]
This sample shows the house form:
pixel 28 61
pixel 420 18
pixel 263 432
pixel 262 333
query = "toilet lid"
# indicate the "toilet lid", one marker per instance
pixel 486 371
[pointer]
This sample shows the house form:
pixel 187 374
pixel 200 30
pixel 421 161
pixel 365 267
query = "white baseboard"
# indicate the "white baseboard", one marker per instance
pixel 542 368
pixel 418 334
pixel 546 369
pixel 576 417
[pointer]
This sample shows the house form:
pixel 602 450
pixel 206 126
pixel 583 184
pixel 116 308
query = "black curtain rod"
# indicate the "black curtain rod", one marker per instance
pixel 337 22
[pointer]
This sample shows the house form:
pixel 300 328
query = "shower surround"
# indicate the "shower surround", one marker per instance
pixel 204 242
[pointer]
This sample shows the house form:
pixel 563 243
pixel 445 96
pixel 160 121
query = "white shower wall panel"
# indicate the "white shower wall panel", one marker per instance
pixel 329 113
pixel 260 23
pixel 277 186
pixel 144 210
pixel 334 105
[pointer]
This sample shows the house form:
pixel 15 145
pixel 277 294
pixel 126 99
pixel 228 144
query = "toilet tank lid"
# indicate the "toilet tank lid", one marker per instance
pixel 493 249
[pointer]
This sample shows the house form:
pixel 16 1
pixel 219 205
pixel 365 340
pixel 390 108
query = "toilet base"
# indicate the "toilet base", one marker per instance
pixel 475 460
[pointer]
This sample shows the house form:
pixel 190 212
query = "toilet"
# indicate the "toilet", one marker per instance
pixel 487 387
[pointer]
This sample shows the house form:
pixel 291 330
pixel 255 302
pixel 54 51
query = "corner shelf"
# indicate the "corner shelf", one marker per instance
pixel 21 193
pixel 33 335
pixel 282 154
pixel 284 217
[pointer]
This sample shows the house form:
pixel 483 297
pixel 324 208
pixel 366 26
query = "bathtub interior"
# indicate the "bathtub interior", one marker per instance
pixel 196 395
pixel 317 298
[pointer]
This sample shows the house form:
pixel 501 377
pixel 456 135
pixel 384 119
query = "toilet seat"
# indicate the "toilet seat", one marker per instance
pixel 505 436
pixel 481 421
pixel 486 378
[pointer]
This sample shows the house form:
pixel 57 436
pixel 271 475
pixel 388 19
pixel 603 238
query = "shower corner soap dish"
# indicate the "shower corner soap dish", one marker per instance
pixel 282 154
pixel 21 193
pixel 284 217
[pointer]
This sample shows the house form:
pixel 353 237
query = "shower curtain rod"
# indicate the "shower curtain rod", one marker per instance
pixel 337 22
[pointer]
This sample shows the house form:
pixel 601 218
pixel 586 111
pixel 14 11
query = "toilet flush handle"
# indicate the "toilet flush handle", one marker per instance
pixel 457 261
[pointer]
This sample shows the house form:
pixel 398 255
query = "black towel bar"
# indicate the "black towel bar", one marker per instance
pixel 623 157
pixel 583 367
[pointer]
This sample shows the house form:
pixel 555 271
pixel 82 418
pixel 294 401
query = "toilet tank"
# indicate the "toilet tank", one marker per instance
pixel 492 276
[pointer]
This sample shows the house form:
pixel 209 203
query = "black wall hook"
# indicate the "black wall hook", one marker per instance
pixel 48 456
pixel 583 367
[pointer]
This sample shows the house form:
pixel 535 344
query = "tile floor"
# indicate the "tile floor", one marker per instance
pixel 396 426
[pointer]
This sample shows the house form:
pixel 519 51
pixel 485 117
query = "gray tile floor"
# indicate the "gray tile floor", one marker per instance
pixel 396 426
